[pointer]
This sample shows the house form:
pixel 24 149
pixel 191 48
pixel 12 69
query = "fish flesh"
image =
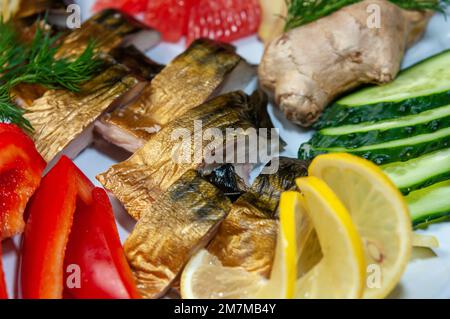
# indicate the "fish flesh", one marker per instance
pixel 172 230
pixel 63 121
pixel 205 70
pixel 140 180
pixel 247 237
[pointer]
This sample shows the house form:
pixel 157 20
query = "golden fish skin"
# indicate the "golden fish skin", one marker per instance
pixel 171 230
pixel 266 190
pixel 188 81
pixel 142 178
pixel 108 29
pixel 61 117
pixel 246 238
pixel 24 8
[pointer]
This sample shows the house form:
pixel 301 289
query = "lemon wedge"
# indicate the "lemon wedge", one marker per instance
pixel 379 212
pixel 341 271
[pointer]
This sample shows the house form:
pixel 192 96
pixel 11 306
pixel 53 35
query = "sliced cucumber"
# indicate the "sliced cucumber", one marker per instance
pixel 410 120
pixel 421 87
pixel 429 205
pixel 354 136
pixel 393 151
pixel 420 172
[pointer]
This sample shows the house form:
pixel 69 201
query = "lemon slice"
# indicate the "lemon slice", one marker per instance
pixel 341 271
pixel 292 230
pixel 379 213
pixel 204 277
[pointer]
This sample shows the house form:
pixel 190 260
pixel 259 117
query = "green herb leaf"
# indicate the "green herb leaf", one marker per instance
pixel 44 68
pixel 38 63
pixel 301 12
pixel 10 113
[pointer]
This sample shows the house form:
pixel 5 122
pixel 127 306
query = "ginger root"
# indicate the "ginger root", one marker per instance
pixel 310 66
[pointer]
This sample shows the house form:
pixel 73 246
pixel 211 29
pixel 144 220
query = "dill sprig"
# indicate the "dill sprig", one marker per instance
pixel 42 67
pixel 302 12
pixel 10 113
pixel 37 63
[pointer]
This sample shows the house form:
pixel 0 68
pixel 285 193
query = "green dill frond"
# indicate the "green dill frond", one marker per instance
pixel 44 68
pixel 301 12
pixel 10 113
pixel 37 63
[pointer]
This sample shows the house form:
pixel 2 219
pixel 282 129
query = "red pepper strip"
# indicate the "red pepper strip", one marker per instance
pixel 3 292
pixel 95 247
pixel 57 214
pixel 21 167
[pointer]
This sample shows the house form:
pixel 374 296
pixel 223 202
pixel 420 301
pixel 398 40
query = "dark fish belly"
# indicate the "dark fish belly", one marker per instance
pixel 191 79
pixel 171 230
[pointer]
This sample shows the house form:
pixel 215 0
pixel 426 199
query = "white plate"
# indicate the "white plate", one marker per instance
pixel 426 277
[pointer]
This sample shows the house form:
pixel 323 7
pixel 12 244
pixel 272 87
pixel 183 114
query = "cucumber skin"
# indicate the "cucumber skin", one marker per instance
pixel 355 140
pixel 338 115
pixel 433 218
pixel 429 182
pixel 383 156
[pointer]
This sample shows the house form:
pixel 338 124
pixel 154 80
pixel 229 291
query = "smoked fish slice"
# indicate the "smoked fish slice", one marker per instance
pixel 205 70
pixel 172 230
pixel 63 121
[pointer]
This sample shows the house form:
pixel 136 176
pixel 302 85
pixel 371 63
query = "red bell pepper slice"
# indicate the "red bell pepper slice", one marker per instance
pixel 71 223
pixel 21 167
pixel 3 292
pixel 95 247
